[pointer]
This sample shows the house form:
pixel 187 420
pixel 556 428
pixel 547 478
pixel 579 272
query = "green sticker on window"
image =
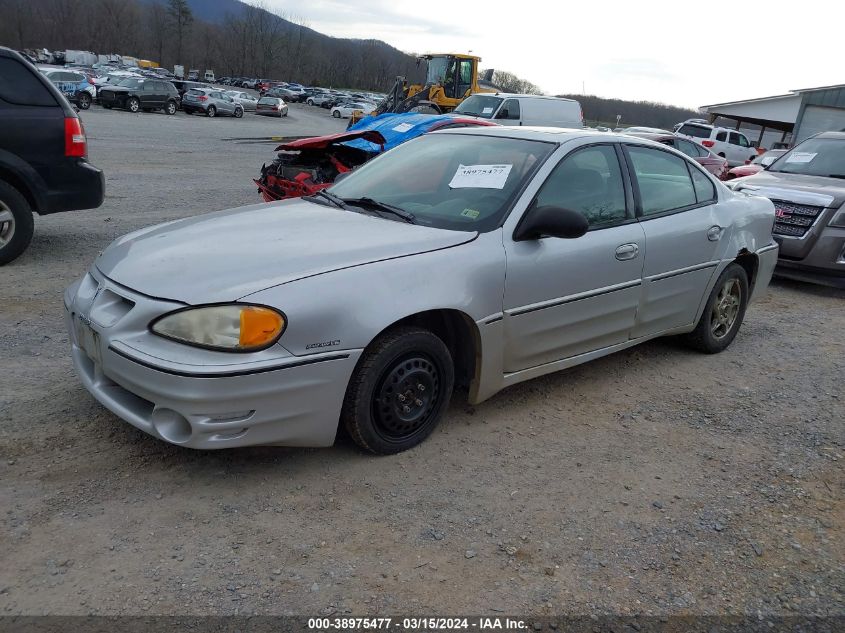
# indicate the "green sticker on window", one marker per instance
pixel 470 213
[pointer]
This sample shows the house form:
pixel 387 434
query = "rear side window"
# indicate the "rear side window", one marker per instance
pixel 705 191
pixel 722 136
pixel 687 148
pixel 588 181
pixel 19 86
pixel 663 179
pixel 688 129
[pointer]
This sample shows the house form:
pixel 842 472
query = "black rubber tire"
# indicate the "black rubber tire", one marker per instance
pixel 211 112
pixel 239 112
pixel 170 108
pixel 84 101
pixel 133 105
pixel 381 357
pixel 24 223
pixel 336 114
pixel 702 338
pixel 107 107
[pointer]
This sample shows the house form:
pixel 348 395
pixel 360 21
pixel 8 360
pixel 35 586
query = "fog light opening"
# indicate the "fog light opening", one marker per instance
pixel 171 426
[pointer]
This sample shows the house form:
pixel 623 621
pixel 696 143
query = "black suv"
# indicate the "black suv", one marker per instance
pixel 43 154
pixel 139 93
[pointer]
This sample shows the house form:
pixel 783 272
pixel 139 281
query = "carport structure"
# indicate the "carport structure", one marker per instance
pixel 797 115
pixel 770 113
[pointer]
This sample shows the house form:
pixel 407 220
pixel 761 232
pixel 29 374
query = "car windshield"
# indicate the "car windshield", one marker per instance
pixel 697 131
pixel 814 157
pixel 479 105
pixel 130 82
pixel 451 181
pixel 768 158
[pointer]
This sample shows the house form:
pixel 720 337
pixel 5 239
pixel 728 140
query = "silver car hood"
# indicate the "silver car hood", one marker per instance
pixel 799 188
pixel 227 255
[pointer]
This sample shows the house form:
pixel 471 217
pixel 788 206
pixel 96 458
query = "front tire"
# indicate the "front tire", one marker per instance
pixel 238 113
pixel 170 108
pixel 399 391
pixel 84 101
pixel 211 112
pixel 133 105
pixel 16 223
pixel 723 313
pixel 336 114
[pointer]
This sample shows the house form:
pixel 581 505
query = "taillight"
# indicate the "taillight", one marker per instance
pixel 91 80
pixel 75 144
pixel 708 143
pixel 202 98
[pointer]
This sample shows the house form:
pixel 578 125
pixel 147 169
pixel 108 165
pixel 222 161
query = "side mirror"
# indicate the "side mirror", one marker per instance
pixel 550 222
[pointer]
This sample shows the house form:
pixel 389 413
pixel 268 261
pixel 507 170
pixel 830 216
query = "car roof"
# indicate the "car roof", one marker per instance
pixel 536 133
pixel 837 135
pixel 510 95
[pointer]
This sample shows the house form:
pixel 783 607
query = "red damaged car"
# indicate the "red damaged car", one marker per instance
pixel 305 166
pixel 713 163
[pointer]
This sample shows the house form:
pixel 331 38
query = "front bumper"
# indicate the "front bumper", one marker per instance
pixel 229 401
pixel 823 262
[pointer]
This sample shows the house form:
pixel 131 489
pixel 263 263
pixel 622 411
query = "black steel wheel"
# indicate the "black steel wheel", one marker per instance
pixel 399 391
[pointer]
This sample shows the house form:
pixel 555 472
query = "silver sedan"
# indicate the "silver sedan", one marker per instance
pixel 479 257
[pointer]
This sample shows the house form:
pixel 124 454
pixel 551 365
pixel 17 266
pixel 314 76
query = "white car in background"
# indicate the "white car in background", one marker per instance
pixel 729 144
pixel 247 101
pixel 345 110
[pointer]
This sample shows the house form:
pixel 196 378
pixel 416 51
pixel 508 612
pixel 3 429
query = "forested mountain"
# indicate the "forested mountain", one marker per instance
pixel 228 36
pixel 647 113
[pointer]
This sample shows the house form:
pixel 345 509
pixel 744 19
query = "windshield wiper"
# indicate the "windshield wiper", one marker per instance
pixel 836 176
pixel 410 218
pixel 340 204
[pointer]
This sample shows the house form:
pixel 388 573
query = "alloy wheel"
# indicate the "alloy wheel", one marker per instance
pixel 7 224
pixel 726 308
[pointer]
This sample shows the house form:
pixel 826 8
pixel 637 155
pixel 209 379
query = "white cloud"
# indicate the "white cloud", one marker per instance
pixel 680 52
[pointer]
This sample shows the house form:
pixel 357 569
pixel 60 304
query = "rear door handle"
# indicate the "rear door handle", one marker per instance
pixel 627 251
pixel 714 233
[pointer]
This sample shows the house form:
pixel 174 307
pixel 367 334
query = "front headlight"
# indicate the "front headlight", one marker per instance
pixel 838 219
pixel 231 328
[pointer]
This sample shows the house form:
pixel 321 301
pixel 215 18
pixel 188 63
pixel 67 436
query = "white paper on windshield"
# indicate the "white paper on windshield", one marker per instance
pixel 487 111
pixel 480 176
pixel 403 127
pixel 801 157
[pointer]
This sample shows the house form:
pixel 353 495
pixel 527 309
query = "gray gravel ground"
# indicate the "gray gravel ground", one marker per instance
pixel 654 481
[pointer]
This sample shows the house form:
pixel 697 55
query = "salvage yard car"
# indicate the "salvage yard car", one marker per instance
pixel 136 94
pixel 75 86
pixel 44 166
pixel 511 253
pixel 211 103
pixel 807 187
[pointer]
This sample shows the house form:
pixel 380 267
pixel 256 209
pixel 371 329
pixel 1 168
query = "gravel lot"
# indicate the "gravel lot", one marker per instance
pixel 654 481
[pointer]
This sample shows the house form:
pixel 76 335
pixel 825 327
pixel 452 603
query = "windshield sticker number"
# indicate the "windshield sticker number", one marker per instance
pixel 470 213
pixel 403 127
pixel 480 177
pixel 487 111
pixel 801 157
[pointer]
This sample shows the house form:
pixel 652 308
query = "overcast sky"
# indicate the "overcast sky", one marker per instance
pixel 683 52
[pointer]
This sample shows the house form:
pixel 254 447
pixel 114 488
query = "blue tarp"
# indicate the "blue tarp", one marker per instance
pixel 396 128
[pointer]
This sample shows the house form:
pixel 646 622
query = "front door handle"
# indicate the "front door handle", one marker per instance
pixel 627 251
pixel 714 233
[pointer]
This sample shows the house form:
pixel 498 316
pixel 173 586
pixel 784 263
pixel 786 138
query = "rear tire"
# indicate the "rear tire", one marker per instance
pixel 170 108
pixel 133 105
pixel 16 223
pixel 336 114
pixel 239 113
pixel 399 391
pixel 211 112
pixel 84 101
pixel 723 313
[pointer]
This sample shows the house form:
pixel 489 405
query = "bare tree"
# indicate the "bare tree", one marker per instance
pixel 156 19
pixel 181 18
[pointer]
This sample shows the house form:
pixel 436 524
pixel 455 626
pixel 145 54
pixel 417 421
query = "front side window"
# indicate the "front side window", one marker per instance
pixel 589 181
pixel 451 181
pixel 510 110
pixel 663 179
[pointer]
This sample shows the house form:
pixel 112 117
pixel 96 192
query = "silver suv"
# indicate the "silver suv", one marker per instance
pixel 211 103
pixel 807 186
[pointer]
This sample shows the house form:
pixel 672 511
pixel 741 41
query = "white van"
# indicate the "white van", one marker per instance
pixel 515 109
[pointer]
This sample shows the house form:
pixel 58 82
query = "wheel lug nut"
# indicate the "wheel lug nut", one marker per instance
pixel 406 409
pixel 401 398
pixel 420 387
pixel 418 402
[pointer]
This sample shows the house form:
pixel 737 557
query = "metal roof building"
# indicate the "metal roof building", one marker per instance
pixel 784 118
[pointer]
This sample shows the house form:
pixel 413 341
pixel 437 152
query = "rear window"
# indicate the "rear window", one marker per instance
pixel 20 86
pixel 688 129
pixel 268 101
pixel 196 92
